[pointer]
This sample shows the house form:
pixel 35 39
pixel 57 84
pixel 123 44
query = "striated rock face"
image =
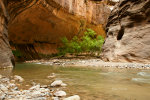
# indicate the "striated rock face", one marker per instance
pixel 128 32
pixel 6 57
pixel 36 28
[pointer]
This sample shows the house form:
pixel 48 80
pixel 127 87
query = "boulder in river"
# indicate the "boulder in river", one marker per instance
pixel 58 83
pixel 18 78
pixel 60 94
pixel 75 97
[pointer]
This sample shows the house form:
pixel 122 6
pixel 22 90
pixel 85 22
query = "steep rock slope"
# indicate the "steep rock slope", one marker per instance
pixel 6 57
pixel 128 32
pixel 37 27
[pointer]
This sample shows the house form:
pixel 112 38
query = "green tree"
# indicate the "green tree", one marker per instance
pixel 89 42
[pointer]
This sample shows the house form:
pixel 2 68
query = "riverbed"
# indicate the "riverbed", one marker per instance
pixel 97 83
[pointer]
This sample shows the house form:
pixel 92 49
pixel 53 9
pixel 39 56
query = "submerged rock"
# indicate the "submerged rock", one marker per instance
pixel 18 78
pixel 1 76
pixel 36 87
pixel 63 85
pixel 53 75
pixel 57 83
pixel 55 98
pixel 75 97
pixel 60 94
pixel 10 91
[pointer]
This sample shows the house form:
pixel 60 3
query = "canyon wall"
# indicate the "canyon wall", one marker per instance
pixel 6 57
pixel 128 32
pixel 36 28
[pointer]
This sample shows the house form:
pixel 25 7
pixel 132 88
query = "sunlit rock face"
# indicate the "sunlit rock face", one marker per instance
pixel 128 32
pixel 37 26
pixel 6 57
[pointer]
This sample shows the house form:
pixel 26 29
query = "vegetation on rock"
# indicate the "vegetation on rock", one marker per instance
pixel 90 42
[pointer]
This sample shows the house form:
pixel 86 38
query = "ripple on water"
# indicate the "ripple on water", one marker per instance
pixel 143 74
pixel 38 63
pixel 141 80
pixel 122 89
pixel 107 73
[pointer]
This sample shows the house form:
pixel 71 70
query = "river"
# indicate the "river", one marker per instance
pixel 89 83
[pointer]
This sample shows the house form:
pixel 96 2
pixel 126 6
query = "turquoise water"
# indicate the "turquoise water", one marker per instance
pixel 90 83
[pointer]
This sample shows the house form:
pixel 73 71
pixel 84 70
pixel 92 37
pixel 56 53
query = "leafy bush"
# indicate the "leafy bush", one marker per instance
pixel 17 53
pixel 89 42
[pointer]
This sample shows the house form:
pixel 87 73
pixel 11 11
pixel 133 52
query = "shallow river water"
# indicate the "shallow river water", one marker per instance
pixel 90 83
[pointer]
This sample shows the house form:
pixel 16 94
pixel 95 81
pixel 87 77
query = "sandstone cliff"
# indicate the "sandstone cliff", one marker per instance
pixel 37 26
pixel 6 57
pixel 128 32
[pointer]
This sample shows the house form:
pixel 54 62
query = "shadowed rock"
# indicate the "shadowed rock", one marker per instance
pixel 128 28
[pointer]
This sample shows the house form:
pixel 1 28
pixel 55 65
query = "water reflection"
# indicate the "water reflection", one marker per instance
pixel 144 74
pixel 89 83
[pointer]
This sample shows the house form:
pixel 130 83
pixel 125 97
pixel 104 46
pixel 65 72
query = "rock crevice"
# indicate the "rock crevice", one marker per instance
pixel 128 30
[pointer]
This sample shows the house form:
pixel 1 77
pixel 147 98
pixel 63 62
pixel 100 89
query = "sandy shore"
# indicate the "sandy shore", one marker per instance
pixel 89 63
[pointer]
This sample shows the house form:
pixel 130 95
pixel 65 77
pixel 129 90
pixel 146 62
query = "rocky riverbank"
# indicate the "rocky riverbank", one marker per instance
pixel 10 90
pixel 89 63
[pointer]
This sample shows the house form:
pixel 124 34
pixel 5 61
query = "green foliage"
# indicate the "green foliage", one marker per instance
pixel 89 42
pixel 17 53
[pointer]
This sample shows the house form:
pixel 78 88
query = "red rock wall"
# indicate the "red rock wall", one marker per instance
pixel 44 22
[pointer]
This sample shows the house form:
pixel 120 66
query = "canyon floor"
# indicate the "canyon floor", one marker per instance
pixel 91 62
pixel 83 78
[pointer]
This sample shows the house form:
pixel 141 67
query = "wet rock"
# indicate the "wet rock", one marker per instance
pixel 2 97
pixel 48 94
pixel 5 80
pixel 10 91
pixel 15 88
pixel 40 98
pixel 33 83
pixel 36 94
pixel 26 92
pixel 36 87
pixel 3 88
pixel 63 85
pixel 44 86
pixel 53 75
pixel 15 93
pixel 1 76
pixel 60 94
pixel 55 98
pixel 12 81
pixel 43 90
pixel 75 97
pixel 18 78
pixel 56 83
pixel 115 0
pixel 12 85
